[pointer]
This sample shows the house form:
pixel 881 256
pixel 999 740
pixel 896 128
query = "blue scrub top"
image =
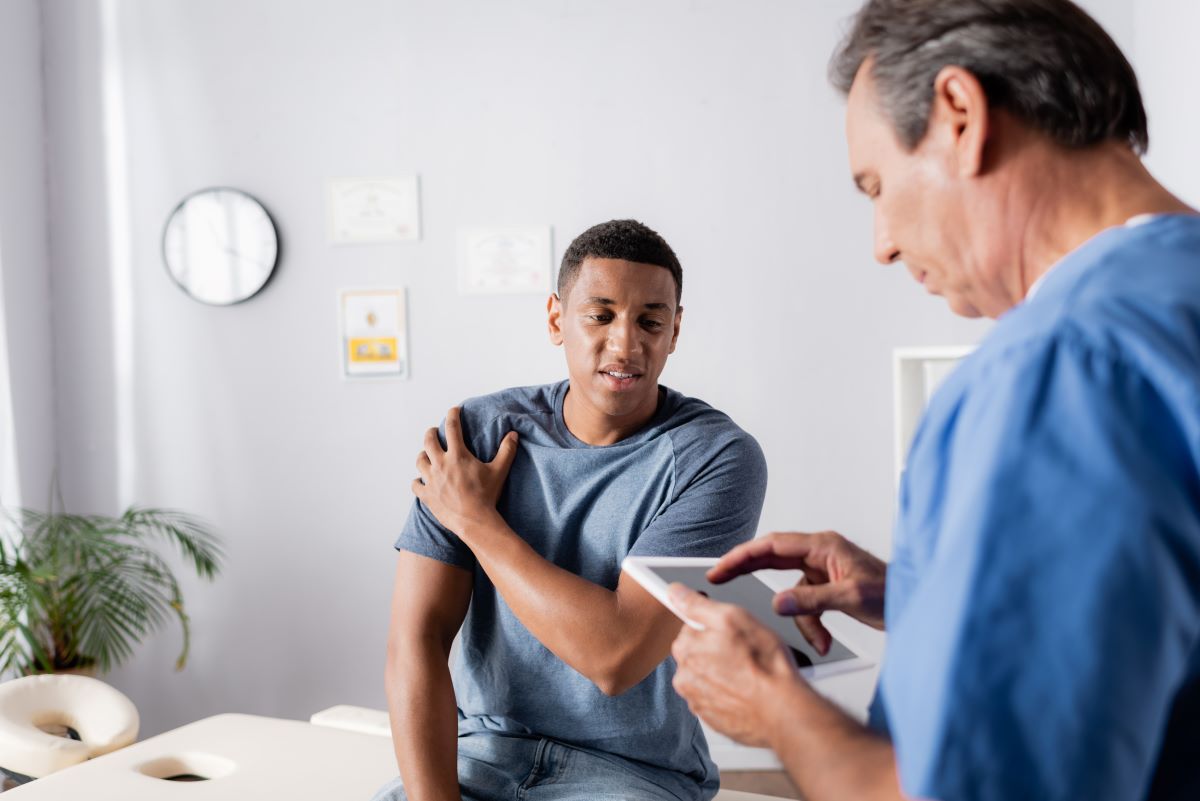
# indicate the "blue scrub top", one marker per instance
pixel 1043 602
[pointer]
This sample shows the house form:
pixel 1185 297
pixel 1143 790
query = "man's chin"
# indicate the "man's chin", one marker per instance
pixel 625 402
pixel 963 307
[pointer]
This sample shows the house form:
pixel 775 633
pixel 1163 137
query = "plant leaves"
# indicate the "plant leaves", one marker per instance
pixel 77 588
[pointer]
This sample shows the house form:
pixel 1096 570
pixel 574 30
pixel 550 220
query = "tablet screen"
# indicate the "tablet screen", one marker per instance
pixel 755 597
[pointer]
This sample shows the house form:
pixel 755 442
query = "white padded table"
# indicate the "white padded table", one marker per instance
pixel 249 758
pixel 246 757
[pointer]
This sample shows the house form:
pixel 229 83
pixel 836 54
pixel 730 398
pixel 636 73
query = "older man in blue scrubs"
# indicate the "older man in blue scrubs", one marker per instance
pixel 1043 602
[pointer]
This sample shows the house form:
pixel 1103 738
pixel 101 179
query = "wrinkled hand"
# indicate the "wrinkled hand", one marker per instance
pixel 838 575
pixel 460 490
pixel 732 672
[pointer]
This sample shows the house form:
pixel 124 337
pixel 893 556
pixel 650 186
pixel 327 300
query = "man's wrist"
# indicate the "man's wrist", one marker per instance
pixel 480 524
pixel 788 699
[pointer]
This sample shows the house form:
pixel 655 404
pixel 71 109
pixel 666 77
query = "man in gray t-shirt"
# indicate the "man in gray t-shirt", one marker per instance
pixel 562 683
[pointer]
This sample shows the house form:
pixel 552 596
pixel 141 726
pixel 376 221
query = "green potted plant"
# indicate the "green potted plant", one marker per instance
pixel 78 592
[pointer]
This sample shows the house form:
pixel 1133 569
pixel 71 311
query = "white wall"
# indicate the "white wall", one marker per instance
pixel 25 341
pixel 1163 54
pixel 711 121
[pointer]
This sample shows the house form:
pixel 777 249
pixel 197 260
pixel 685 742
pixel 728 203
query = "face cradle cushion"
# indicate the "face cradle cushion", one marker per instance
pixel 36 712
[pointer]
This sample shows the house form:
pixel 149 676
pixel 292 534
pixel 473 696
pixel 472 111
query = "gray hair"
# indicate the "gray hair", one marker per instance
pixel 1045 61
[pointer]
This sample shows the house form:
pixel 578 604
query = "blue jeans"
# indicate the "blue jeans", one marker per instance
pixel 504 767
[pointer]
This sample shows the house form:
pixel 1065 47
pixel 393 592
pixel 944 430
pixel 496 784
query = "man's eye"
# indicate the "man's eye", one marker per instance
pixel 600 318
pixel 653 325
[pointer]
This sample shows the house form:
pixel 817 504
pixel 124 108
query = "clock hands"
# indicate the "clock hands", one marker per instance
pixel 245 258
pixel 216 235
pixel 232 248
pixel 224 246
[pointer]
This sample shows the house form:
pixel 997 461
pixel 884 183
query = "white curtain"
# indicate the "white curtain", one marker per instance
pixel 10 484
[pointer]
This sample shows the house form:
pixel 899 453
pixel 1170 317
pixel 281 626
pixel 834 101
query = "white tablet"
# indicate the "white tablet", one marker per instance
pixel 750 592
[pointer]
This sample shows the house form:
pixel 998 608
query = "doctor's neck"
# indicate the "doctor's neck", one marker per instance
pixel 1075 194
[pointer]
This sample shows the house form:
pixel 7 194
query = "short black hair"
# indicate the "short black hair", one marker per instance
pixel 629 240
pixel 1045 61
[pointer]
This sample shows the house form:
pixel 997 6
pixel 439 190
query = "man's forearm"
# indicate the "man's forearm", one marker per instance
pixel 829 755
pixel 579 621
pixel 424 724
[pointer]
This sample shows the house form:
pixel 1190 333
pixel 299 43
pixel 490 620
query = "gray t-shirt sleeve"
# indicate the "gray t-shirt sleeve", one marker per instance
pixel 422 533
pixel 718 506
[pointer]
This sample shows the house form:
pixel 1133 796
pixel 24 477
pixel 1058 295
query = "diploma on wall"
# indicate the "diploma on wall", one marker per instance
pixel 363 210
pixel 504 260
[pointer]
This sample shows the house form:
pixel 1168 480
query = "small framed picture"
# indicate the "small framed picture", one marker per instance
pixel 363 210
pixel 374 328
pixel 508 260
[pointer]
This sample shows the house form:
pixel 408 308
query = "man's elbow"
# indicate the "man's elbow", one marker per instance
pixel 414 655
pixel 394 668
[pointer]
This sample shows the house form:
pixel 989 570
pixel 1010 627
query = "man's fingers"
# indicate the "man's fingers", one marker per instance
pixel 433 446
pixel 684 642
pixel 694 606
pixel 684 598
pixel 426 470
pixel 506 453
pixel 807 599
pixel 778 551
pixel 815 632
pixel 454 435
pixel 691 683
pixel 746 558
pixel 815 575
pixel 418 488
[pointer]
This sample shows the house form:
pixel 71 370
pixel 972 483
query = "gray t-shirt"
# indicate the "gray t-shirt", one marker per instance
pixel 691 483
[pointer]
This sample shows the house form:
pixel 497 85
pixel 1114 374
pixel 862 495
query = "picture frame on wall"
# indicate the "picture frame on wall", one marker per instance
pixel 366 210
pixel 374 333
pixel 505 260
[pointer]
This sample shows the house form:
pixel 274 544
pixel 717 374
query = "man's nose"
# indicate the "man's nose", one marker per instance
pixel 886 251
pixel 624 337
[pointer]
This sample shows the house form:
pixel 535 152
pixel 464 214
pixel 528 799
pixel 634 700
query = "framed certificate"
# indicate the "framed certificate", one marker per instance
pixel 374 210
pixel 504 260
pixel 374 339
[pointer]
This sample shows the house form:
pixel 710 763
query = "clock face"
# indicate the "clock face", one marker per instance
pixel 220 246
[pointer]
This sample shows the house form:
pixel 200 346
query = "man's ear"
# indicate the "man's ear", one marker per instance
pixel 675 333
pixel 960 109
pixel 554 319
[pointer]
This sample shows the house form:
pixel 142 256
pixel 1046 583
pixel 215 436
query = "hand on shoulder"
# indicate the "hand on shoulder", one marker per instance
pixel 460 490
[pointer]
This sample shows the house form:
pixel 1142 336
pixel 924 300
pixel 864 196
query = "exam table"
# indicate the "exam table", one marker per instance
pixel 342 754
